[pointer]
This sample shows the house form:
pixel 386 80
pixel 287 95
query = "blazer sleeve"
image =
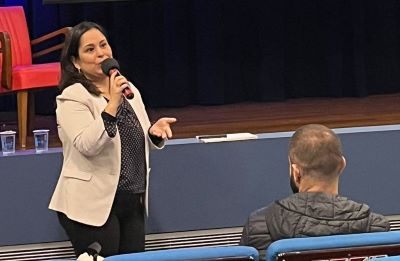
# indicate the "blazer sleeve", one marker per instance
pixel 138 104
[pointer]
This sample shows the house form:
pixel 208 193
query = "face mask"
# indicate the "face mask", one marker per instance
pixel 293 186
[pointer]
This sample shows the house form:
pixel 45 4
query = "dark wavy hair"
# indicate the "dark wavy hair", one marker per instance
pixel 70 74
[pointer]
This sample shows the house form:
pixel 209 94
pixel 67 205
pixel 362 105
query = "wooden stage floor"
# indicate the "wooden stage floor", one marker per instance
pixel 264 117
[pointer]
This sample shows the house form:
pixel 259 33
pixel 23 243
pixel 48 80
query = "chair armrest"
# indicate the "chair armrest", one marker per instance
pixel 63 31
pixel 5 51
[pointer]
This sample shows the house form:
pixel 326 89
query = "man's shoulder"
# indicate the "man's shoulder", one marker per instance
pixel 259 213
pixel 265 214
pixel 378 223
pixel 272 206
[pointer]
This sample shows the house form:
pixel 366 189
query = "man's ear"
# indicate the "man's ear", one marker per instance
pixel 296 172
pixel 343 165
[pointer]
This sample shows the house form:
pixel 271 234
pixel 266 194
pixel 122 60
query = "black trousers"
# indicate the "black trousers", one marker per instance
pixel 122 233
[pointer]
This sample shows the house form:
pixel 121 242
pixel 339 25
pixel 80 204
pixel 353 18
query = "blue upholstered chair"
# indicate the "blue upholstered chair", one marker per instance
pixel 388 258
pixel 336 246
pixel 222 253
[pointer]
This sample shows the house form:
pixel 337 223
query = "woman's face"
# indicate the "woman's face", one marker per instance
pixel 93 50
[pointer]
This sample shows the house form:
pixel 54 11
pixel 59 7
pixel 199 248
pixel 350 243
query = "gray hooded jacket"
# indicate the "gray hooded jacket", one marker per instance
pixel 309 214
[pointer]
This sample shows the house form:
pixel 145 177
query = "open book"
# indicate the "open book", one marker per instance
pixel 226 137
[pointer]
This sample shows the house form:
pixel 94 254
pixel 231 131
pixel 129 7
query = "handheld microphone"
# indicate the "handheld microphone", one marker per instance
pixel 109 66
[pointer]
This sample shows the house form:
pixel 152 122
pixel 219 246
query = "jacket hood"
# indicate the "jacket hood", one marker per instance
pixel 314 214
pixel 324 206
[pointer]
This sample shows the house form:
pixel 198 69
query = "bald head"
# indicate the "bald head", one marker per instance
pixel 317 150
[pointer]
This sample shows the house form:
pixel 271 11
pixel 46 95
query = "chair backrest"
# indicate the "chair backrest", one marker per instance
pixel 13 21
pixel 336 247
pixel 222 253
pixel 388 258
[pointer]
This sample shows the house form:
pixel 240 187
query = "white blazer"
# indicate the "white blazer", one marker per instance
pixel 92 160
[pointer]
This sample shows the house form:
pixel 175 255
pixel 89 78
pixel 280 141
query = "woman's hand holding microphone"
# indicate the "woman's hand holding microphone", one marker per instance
pixel 117 85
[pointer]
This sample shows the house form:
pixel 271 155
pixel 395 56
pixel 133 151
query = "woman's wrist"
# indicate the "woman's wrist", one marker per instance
pixel 111 109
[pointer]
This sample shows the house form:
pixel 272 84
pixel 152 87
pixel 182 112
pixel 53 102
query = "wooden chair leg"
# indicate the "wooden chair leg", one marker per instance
pixel 22 107
pixel 31 113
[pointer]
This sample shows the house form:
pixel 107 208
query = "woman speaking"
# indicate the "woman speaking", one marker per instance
pixel 101 194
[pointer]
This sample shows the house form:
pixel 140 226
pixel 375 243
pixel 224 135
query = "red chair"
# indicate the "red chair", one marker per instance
pixel 18 74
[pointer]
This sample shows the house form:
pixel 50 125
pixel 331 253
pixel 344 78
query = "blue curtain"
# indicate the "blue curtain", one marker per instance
pixel 180 53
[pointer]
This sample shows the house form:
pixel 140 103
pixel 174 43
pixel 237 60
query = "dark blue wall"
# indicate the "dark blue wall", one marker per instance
pixel 203 186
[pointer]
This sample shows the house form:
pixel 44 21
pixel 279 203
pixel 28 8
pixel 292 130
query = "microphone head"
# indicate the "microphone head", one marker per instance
pixel 108 64
pixel 94 248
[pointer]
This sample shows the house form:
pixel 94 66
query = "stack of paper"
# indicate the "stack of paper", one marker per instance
pixel 226 137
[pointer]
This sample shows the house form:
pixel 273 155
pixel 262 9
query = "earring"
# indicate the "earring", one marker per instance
pixel 79 71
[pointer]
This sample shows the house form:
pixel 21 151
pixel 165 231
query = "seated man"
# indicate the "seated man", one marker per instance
pixel 315 208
